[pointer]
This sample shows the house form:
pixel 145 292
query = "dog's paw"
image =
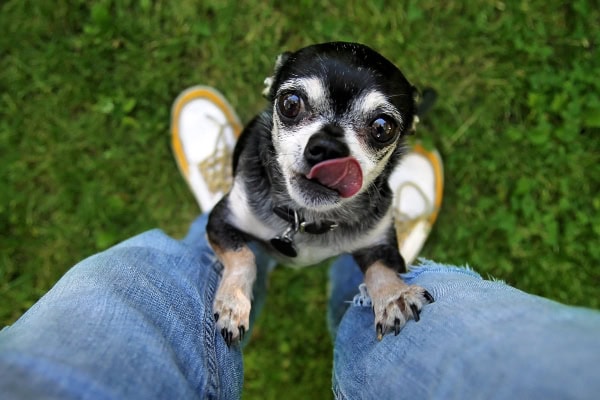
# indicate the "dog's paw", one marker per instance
pixel 395 304
pixel 232 314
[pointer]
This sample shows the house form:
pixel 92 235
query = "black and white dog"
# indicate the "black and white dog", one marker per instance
pixel 311 180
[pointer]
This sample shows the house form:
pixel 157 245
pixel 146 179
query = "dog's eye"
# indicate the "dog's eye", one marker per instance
pixel 383 129
pixel 290 105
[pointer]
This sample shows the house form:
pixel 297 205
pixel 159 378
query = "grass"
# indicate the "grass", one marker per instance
pixel 85 95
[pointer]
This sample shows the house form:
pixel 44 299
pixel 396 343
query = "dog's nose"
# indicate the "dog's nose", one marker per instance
pixel 325 145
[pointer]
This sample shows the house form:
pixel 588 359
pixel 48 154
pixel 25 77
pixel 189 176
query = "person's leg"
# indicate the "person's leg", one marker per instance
pixel 481 339
pixel 135 321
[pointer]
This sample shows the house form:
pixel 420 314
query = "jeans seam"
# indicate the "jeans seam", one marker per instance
pixel 209 329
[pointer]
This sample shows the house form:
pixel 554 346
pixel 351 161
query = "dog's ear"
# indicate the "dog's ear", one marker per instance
pixel 423 102
pixel 416 95
pixel 281 59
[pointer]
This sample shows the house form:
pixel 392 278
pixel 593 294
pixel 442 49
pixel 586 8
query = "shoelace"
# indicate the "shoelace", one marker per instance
pixel 216 169
pixel 405 223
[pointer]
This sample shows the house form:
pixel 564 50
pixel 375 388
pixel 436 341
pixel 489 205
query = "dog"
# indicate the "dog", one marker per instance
pixel 311 180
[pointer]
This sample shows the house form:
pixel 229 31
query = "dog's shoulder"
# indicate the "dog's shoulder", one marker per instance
pixel 250 199
pixel 253 140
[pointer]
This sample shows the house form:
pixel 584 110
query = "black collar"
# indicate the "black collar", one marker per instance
pixel 284 243
pixel 294 218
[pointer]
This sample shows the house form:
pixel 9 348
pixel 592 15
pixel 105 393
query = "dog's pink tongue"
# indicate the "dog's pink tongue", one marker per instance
pixel 341 174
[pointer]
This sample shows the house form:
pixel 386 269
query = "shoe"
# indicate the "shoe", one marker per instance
pixel 204 129
pixel 418 184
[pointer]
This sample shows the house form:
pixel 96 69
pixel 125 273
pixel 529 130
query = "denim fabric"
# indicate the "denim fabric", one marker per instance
pixel 481 339
pixel 136 322
pixel 133 322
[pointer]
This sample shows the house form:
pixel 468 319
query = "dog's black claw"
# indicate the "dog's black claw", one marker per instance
pixel 396 326
pixel 228 336
pixel 428 296
pixel 224 334
pixel 415 312
pixel 242 331
pixel 379 331
pixel 216 316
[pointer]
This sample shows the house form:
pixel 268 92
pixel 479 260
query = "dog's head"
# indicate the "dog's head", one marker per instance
pixel 340 112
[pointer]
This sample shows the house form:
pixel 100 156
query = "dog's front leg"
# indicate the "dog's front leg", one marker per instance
pixel 394 302
pixel 233 298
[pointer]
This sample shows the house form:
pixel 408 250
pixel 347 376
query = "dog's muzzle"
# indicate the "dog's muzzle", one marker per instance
pixel 330 162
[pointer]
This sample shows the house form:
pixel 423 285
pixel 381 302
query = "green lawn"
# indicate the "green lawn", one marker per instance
pixel 85 96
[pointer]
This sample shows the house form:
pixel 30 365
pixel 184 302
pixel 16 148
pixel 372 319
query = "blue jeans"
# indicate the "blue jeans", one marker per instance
pixel 136 321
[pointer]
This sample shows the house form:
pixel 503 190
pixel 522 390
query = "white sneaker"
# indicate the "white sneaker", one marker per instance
pixel 204 129
pixel 418 185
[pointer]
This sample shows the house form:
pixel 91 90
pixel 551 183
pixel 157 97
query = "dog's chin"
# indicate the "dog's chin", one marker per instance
pixel 312 195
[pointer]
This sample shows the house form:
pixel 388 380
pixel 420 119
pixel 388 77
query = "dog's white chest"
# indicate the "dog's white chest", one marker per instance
pixel 310 248
pixel 313 249
pixel 244 219
pixel 311 255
